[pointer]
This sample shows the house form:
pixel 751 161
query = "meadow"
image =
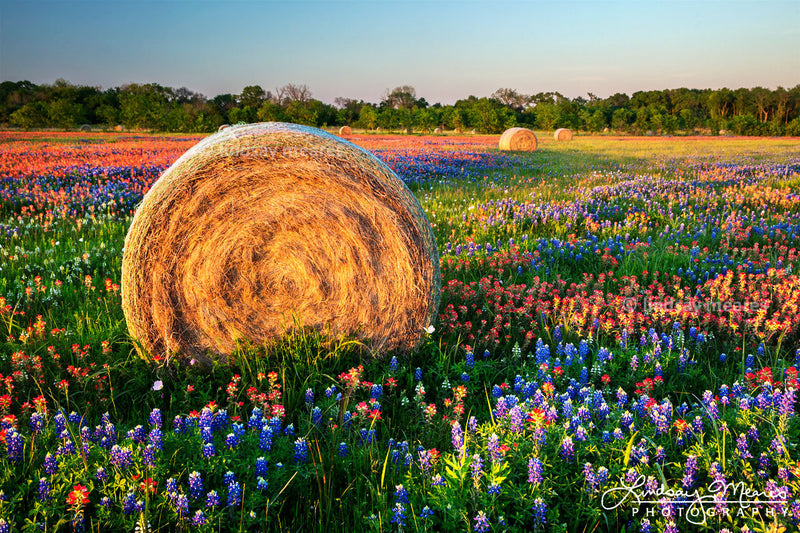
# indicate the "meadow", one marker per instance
pixel 617 349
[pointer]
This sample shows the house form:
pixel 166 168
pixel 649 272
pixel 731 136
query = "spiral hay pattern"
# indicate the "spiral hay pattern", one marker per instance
pixel 563 134
pixel 263 226
pixel 518 140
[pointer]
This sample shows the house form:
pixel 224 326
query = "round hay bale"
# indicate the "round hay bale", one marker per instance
pixel 408 130
pixel 224 127
pixel 605 130
pixel 119 127
pixel 437 130
pixel 264 226
pixel 518 140
pixel 86 127
pixel 563 134
pixel 474 132
pixel 378 128
pixel 345 130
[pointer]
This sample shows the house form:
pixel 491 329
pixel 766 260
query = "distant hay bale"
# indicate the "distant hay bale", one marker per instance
pixel 86 127
pixel 119 127
pixel 408 130
pixel 605 130
pixel 262 225
pixel 378 128
pixel 563 134
pixel 223 127
pixel 437 130
pixel 518 140
pixel 474 132
pixel 345 130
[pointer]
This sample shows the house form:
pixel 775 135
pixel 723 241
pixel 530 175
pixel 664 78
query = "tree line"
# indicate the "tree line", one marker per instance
pixel 63 105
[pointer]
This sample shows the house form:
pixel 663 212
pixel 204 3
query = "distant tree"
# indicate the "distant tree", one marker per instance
pixel 368 117
pixel 270 112
pixel 292 93
pixel 403 97
pixel 511 98
pixel 252 96
pixel 29 116
pixel 143 106
pixel 64 113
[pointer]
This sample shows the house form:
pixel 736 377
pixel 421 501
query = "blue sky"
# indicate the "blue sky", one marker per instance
pixel 446 50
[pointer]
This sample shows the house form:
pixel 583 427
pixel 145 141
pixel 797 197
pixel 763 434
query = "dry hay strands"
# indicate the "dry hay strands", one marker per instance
pixel 345 130
pixel 518 140
pixel 262 226
pixel 563 134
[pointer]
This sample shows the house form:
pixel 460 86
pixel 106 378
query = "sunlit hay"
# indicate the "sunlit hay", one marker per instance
pixel 437 130
pixel 518 140
pixel 119 127
pixel 345 130
pixel 263 226
pixel 224 127
pixel 563 134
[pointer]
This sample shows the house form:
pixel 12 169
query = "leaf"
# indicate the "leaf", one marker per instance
pixel 628 448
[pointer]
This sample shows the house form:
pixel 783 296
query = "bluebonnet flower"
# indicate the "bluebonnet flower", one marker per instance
pixel 155 418
pixel 690 472
pixel 309 396
pixel 102 475
pixel 199 518
pixel 261 484
pixel 44 489
pixel 494 489
pixel 437 480
pixel 131 505
pixel 470 360
pixel 178 424
pixel 426 513
pixel 154 438
pixel 261 466
pixel 208 450
pixel 50 464
pixel 539 511
pixel 493 446
pixel 234 494
pixel 121 457
pixel 196 487
pixel 149 456
pixel 393 364
pixel 231 440
pixel 343 451
pixel 300 450
pixel 212 499
pixel 399 515
pixel 401 494
pixel 476 467
pixel 567 449
pixel 418 375
pixel 37 422
pixel 182 505
pixel 14 445
pixel 265 439
pixel 481 523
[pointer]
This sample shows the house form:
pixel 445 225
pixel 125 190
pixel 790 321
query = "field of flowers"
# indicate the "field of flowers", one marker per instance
pixel 617 349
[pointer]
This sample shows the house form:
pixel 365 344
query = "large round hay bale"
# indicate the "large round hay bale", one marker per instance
pixel 264 226
pixel 518 140
pixel 563 134
pixel 345 130
pixel 437 130
pixel 119 127
pixel 86 127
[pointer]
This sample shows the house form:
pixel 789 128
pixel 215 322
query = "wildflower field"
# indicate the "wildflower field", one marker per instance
pixel 616 350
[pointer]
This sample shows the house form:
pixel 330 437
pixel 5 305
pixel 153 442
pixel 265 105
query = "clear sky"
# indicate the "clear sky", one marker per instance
pixel 446 50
